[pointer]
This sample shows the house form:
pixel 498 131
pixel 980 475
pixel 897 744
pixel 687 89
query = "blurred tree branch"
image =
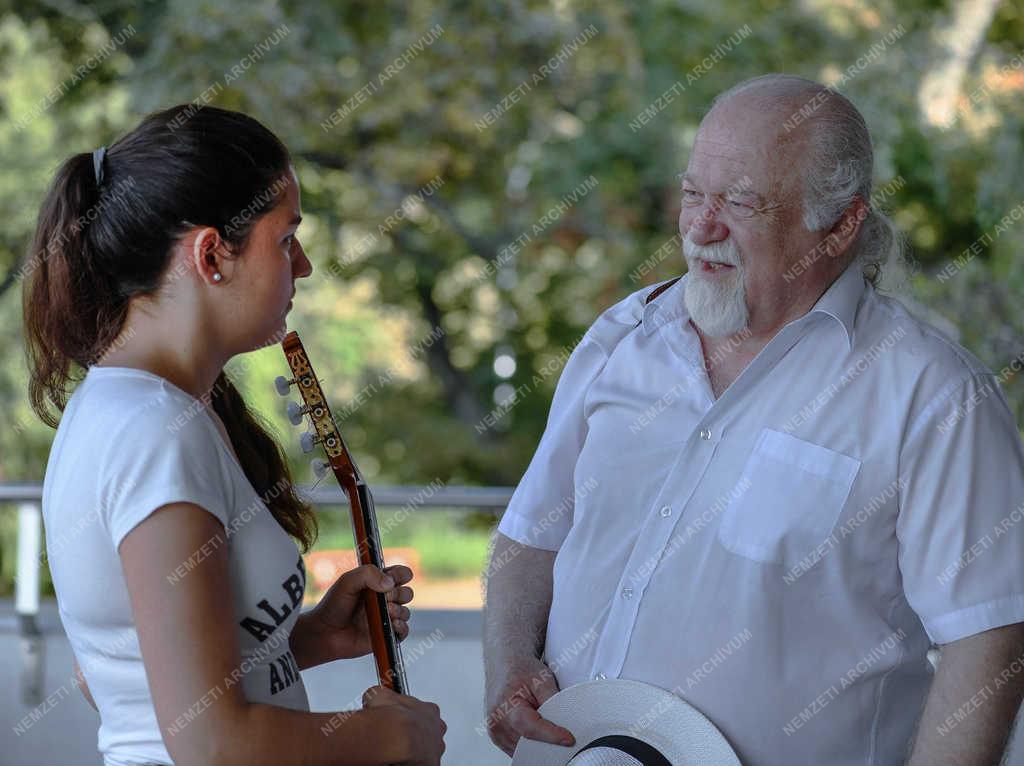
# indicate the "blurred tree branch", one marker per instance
pixel 961 40
pixel 458 391
pixel 485 247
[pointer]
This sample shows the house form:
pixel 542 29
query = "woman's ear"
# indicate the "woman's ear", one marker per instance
pixel 207 257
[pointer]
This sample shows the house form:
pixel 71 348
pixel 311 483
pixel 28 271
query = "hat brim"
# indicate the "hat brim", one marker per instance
pixel 655 716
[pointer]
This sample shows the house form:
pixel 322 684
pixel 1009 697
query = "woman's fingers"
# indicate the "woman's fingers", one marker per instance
pixel 402 595
pixel 398 612
pixel 368 576
pixel 399 619
pixel 389 579
pixel 400 572
pixel 401 629
pixel 379 695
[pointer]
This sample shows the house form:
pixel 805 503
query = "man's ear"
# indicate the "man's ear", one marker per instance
pixel 842 234
pixel 207 257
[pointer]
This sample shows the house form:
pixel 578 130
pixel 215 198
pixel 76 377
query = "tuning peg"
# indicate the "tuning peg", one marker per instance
pixel 295 412
pixel 319 466
pixel 282 384
pixel 307 440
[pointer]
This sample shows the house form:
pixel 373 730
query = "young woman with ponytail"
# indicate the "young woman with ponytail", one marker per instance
pixel 178 582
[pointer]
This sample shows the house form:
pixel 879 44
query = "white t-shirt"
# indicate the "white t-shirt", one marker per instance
pixel 128 443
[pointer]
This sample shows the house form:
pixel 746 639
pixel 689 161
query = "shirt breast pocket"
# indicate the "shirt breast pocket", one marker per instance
pixel 792 492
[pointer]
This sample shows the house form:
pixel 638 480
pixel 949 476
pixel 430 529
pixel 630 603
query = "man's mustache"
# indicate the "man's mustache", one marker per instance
pixel 715 253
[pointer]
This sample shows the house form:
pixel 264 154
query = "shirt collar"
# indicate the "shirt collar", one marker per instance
pixel 839 301
pixel 672 301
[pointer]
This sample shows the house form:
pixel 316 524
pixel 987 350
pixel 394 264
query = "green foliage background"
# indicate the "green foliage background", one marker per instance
pixel 366 307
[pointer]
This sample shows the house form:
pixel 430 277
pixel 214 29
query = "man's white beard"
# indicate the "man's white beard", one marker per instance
pixel 717 304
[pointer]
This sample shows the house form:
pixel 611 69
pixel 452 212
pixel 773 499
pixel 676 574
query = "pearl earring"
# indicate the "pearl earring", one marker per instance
pixel 217 277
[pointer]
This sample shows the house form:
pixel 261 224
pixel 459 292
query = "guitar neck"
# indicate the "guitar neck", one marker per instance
pixel 386 650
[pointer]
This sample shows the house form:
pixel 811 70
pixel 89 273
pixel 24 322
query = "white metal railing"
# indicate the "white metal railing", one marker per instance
pixel 28 497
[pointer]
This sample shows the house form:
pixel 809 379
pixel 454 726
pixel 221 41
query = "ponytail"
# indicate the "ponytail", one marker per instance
pixel 881 253
pixel 71 310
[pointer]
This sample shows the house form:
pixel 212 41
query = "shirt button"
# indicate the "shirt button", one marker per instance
pixel 666 511
pixel 627 593
pixel 705 433
pixel 600 677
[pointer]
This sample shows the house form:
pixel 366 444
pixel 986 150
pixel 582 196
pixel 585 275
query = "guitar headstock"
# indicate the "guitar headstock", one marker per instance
pixel 314 404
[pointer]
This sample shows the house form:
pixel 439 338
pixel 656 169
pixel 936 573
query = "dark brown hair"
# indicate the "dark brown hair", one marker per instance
pixel 97 246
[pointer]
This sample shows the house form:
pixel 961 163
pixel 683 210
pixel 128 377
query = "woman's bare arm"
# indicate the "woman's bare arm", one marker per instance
pixel 187 637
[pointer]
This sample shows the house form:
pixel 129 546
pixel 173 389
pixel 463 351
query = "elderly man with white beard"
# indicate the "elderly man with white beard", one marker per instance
pixel 766 486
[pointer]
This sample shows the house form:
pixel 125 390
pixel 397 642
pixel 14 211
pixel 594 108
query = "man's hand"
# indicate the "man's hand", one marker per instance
pixel 519 580
pixel 512 706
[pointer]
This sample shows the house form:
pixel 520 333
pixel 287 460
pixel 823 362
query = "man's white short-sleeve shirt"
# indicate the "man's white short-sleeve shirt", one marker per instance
pixel 781 557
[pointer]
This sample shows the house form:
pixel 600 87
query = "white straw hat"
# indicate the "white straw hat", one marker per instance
pixel 618 722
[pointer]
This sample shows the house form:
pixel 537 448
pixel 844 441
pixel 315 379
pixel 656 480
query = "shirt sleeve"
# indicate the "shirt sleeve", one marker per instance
pixel 540 512
pixel 961 520
pixel 158 459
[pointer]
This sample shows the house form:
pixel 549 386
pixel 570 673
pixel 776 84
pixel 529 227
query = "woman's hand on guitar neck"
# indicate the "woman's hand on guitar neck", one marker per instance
pixel 336 627
pixel 512 711
pixel 418 731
